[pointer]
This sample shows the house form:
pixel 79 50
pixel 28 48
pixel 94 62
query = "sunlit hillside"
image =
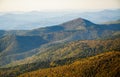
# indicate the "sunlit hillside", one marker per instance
pixel 103 65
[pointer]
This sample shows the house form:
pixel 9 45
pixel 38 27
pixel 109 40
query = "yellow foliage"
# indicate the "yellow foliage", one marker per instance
pixel 103 65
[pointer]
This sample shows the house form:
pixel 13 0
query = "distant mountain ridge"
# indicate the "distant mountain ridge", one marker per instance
pixel 113 22
pixel 35 19
pixel 69 30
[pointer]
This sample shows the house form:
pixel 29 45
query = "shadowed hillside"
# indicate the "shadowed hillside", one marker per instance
pixel 11 44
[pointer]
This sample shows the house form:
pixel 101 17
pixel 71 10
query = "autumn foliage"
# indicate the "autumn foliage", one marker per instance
pixel 103 65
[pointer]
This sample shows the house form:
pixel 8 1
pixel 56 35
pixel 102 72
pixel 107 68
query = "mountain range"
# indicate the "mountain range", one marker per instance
pixel 36 19
pixel 61 46
pixel 29 41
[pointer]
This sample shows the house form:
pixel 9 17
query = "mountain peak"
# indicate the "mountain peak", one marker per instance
pixel 77 24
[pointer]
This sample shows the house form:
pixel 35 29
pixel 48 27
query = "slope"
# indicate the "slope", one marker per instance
pixel 58 55
pixel 73 50
pixel 103 65
pixel 11 45
pixel 2 33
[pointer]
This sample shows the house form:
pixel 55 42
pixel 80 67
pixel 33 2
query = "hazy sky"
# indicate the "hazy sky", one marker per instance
pixel 55 5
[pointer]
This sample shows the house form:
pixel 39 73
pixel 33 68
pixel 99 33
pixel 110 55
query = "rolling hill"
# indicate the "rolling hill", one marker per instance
pixel 11 45
pixel 103 65
pixel 73 50
pixel 60 55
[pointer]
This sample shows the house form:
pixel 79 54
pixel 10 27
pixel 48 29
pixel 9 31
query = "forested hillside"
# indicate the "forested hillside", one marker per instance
pixel 62 55
pixel 103 65
pixel 74 50
pixel 12 44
